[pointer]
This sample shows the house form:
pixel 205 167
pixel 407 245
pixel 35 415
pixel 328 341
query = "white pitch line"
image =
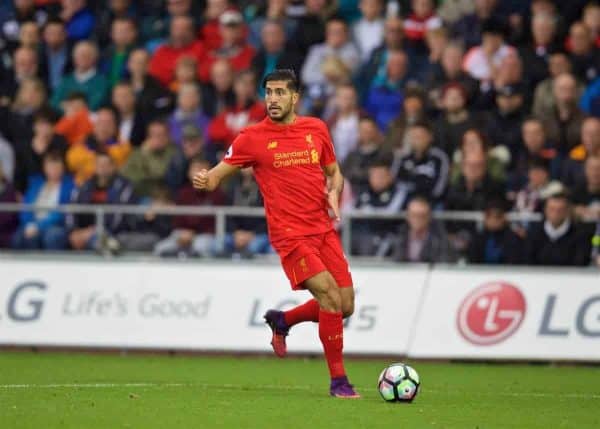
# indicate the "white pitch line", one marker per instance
pixel 217 387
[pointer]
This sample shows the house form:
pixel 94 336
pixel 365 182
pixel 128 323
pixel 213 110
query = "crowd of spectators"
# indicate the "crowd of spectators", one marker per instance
pixel 486 106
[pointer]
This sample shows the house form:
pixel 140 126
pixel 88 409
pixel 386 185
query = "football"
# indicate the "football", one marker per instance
pixel 398 383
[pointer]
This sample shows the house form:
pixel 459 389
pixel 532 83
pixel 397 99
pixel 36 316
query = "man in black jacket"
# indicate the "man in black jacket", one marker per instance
pixel 497 243
pixel 105 187
pixel 558 240
pixel 425 169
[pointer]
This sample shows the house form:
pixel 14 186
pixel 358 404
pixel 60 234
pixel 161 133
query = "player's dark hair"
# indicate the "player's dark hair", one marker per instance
pixel 286 75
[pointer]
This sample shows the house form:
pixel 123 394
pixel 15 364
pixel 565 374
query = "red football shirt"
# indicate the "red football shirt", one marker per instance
pixel 287 162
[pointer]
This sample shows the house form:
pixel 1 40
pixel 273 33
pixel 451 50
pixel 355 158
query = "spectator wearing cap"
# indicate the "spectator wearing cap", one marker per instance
pixel 370 148
pixel 536 53
pixel 480 60
pixel 123 37
pixel 131 122
pixel 106 186
pixel 469 27
pixel 44 140
pixel 233 48
pixel 425 169
pixel 192 235
pixel 217 95
pixel 586 195
pixel 192 147
pixel 85 78
pixel 563 123
pixel 274 53
pixel 188 111
pixel 382 195
pixel 534 145
pixel 147 166
pixel 558 240
pixel 367 32
pixel 79 19
pixel 421 239
pixel 455 118
pixel 375 67
pixel 384 99
pixel 585 56
pixel 225 127
pixel 337 44
pixel 43 229
pixel 151 98
pixel 181 43
pixel 8 221
pixel 344 121
pixel 55 56
pixel 81 157
pixel 497 243
pixel 504 122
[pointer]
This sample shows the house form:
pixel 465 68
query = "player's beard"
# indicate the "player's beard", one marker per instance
pixel 281 115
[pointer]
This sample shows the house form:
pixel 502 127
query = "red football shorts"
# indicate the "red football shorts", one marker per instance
pixel 303 257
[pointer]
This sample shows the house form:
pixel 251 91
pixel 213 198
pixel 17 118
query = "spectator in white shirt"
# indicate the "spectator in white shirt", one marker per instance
pixel 367 32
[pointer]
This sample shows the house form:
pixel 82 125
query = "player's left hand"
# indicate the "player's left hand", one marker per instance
pixel 334 202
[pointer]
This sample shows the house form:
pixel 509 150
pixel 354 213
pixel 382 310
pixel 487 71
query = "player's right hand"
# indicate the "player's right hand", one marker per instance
pixel 200 180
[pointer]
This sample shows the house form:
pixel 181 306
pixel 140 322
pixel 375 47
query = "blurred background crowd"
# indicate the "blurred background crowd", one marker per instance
pixel 486 106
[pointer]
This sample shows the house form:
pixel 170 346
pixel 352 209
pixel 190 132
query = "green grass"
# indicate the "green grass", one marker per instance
pixel 52 390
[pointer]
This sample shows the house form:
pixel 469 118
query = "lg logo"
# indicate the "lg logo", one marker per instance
pixel 26 302
pixel 491 313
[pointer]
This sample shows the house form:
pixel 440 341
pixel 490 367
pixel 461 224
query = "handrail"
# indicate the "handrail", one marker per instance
pixel 241 211
pixel 222 212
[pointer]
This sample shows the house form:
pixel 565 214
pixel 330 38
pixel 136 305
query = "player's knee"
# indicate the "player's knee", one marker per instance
pixel 347 308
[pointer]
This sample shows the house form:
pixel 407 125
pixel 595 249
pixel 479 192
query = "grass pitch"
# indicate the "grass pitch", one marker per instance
pixel 55 390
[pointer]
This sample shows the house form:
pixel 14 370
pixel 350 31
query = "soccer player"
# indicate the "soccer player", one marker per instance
pixel 295 167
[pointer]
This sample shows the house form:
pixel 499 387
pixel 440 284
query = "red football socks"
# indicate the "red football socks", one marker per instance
pixel 332 337
pixel 307 312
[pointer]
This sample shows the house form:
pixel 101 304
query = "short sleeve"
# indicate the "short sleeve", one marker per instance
pixel 239 153
pixel 328 154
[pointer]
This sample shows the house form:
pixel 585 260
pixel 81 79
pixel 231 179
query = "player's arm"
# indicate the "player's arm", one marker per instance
pixel 335 187
pixel 209 180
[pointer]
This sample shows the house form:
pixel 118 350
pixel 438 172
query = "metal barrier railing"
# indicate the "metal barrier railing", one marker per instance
pixel 222 212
